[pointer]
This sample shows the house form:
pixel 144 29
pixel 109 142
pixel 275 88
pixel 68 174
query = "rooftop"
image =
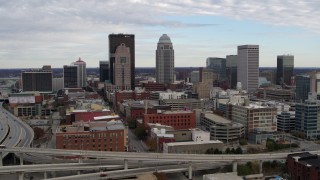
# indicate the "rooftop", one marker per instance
pixel 193 143
pixel 164 39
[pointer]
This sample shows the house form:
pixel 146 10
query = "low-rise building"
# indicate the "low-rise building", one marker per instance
pixel 98 136
pixel 199 147
pixel 286 121
pixel 177 119
pixel 303 166
pixel 221 128
pixel 255 117
pixel 179 104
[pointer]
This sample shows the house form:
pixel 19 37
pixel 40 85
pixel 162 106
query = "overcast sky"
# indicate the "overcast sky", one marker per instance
pixel 47 32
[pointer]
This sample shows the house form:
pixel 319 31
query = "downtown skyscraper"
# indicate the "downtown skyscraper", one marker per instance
pixel 165 60
pixel 116 40
pixel 248 67
pixel 285 65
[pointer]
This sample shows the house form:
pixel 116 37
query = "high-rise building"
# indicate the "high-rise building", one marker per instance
pixel 285 65
pixel 302 87
pixel 37 80
pixel 116 40
pixel 165 60
pixel 70 76
pixel 122 73
pixel 104 69
pixel 307 84
pixel 218 66
pixel 82 73
pixel 231 70
pixel 248 67
pixel 308 118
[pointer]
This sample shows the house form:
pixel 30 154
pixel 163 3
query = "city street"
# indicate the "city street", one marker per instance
pixel 135 144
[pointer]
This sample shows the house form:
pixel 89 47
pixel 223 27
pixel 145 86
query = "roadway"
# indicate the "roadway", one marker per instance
pixel 161 157
pixel 20 134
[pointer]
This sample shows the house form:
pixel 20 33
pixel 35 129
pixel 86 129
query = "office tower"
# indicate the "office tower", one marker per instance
pixel 104 69
pixel 248 67
pixel 306 85
pixel 308 118
pixel 194 77
pixel 122 74
pixel 218 66
pixel 164 60
pixel 231 70
pixel 285 65
pixel 82 73
pixel 70 76
pixel 286 121
pixel 37 79
pixel 116 40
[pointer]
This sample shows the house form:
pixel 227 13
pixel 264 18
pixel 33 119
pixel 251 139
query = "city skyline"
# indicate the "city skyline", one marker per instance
pixel 57 32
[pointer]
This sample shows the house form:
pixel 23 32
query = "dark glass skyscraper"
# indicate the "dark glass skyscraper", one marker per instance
pixel 302 88
pixel 37 80
pixel 104 69
pixel 231 70
pixel 116 40
pixel 218 66
pixel 285 65
pixel 70 76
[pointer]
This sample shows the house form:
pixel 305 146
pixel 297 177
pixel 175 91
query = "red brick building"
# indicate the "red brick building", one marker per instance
pixel 85 115
pixel 303 166
pixel 97 136
pixel 151 86
pixel 176 119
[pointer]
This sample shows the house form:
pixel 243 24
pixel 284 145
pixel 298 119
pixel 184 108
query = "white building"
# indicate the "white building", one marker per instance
pixel 82 72
pixel 248 67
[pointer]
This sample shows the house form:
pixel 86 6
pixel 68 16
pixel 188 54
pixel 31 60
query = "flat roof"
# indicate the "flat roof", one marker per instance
pixel 97 118
pixel 217 118
pixel 193 143
pixel 177 112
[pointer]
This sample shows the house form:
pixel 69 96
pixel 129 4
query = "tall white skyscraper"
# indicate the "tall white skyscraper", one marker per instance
pixel 164 60
pixel 248 67
pixel 82 72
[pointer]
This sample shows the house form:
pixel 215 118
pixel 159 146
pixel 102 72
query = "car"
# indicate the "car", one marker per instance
pixel 2 146
pixel 103 174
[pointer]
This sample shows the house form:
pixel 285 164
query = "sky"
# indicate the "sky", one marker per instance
pixel 34 33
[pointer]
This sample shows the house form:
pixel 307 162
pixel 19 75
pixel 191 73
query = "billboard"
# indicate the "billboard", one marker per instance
pixel 22 99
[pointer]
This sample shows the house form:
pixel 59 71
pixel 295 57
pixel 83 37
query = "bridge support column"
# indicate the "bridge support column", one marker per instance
pixel 21 158
pixel 20 175
pixel 79 161
pixel 45 175
pixel 140 164
pixel 260 166
pixel 234 166
pixel 190 170
pixel 1 161
pixel 125 163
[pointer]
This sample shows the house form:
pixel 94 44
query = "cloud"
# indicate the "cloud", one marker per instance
pixel 60 30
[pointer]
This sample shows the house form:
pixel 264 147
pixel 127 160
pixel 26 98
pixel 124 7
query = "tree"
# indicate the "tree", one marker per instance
pixel 132 123
pixel 38 133
pixel 141 132
pixel 152 144
pixel 243 141
pixel 227 151
pixel 238 150
pixel 232 151
pixel 216 151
